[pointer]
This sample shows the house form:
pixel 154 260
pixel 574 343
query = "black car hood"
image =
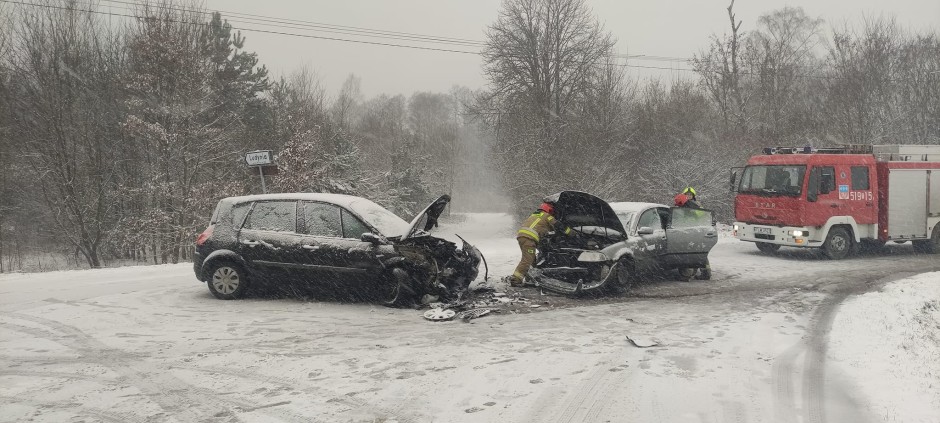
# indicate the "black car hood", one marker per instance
pixel 576 209
pixel 427 219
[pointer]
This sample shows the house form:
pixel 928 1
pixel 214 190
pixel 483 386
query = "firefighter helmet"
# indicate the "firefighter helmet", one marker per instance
pixel 547 208
pixel 689 190
pixel 681 199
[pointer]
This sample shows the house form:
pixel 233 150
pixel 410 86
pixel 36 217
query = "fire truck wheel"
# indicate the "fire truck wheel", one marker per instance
pixel 838 244
pixel 767 248
pixel 930 246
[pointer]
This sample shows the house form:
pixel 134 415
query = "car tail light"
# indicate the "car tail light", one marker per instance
pixel 201 239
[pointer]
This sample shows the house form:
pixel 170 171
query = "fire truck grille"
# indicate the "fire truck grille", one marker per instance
pixel 764 236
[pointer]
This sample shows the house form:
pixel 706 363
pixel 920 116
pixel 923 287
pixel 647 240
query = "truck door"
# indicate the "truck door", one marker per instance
pixel 826 202
pixel 859 201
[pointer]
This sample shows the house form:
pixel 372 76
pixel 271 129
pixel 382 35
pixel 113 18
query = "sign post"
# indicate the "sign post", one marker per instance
pixel 260 159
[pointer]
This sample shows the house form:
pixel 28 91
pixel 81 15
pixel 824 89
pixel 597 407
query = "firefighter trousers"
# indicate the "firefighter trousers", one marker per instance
pixel 527 245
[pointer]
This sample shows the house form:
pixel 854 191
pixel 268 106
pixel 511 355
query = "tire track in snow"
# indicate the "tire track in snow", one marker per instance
pixel 97 413
pixel 173 396
pixel 814 346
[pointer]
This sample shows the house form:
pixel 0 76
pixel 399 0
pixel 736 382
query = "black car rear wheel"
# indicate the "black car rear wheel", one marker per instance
pixel 398 291
pixel 227 281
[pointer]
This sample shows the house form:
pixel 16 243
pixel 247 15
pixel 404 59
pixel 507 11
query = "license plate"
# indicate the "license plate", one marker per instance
pixel 759 230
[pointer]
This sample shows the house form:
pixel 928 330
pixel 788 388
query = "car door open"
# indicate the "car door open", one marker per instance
pixel 690 235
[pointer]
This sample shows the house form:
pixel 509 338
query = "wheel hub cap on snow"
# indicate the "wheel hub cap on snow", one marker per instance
pixel 438 314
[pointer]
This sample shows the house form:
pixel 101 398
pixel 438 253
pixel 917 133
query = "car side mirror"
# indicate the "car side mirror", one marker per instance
pixel 645 230
pixel 370 238
pixel 733 182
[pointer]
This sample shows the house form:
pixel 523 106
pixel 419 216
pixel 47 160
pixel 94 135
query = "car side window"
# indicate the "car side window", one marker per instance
pixel 650 218
pixel 273 216
pixel 323 219
pixel 238 214
pixel 352 226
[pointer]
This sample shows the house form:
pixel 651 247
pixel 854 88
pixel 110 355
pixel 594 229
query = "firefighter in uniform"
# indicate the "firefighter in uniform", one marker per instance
pixel 687 199
pixel 533 229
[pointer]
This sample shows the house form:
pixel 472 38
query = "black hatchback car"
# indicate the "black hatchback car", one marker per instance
pixel 330 242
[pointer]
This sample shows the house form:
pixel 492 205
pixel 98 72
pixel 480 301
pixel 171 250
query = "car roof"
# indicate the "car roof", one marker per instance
pixel 633 206
pixel 339 199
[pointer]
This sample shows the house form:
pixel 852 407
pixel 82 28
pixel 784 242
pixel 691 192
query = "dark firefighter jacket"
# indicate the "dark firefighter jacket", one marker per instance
pixel 539 224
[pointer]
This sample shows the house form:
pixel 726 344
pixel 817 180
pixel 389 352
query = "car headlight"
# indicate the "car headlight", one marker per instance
pixel 593 257
pixel 797 233
pixel 736 227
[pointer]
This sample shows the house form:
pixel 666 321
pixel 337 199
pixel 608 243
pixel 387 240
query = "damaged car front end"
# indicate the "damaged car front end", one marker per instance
pixel 618 243
pixel 431 265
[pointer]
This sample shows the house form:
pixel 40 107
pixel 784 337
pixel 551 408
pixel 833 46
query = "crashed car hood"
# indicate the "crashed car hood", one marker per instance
pixel 576 209
pixel 427 219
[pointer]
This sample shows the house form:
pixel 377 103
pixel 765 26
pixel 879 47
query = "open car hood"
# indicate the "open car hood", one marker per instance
pixel 578 209
pixel 427 219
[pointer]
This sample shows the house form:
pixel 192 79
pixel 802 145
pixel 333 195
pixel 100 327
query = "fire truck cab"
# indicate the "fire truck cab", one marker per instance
pixel 837 199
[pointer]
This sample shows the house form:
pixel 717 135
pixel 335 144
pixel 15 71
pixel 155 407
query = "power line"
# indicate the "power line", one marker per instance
pixel 310 25
pixel 367 32
pixel 378 43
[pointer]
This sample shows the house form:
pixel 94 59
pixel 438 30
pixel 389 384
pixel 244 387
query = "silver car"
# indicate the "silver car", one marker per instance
pixel 617 244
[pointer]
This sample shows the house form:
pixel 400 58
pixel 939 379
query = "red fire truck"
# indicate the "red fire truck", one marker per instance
pixel 838 199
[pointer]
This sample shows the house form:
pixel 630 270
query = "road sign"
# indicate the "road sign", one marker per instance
pixel 258 158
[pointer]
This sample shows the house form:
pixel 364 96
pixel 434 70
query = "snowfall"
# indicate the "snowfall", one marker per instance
pixel 786 338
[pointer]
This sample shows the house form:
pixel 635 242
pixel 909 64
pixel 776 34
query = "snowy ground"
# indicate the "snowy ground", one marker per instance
pixel 792 338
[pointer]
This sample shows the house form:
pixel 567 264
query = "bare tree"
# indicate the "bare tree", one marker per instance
pixel 542 59
pixel 721 72
pixel 68 106
pixel 349 97
pixel 784 74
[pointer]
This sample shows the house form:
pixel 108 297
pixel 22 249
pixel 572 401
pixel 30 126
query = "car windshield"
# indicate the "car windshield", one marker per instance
pixel 626 217
pixel 773 180
pixel 388 223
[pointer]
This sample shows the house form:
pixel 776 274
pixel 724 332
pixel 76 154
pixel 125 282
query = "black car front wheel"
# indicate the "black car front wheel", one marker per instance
pixel 398 291
pixel 227 281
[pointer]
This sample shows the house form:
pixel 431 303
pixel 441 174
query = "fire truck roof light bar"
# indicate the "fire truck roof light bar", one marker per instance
pixel 848 149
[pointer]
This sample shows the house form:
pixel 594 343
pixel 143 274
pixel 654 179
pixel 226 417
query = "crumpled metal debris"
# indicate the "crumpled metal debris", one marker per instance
pixel 468 315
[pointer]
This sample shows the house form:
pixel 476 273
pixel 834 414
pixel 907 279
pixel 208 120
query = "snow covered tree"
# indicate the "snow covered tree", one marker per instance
pixel 67 70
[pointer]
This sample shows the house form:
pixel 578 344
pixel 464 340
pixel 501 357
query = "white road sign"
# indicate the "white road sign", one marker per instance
pixel 258 158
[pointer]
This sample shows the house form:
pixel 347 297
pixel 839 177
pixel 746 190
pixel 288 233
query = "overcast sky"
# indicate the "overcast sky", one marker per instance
pixel 666 28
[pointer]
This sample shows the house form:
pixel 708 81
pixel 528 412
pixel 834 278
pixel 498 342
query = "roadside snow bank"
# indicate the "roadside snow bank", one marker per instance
pixel 889 341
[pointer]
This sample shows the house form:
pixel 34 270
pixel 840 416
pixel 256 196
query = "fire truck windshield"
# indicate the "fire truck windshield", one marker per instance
pixel 773 180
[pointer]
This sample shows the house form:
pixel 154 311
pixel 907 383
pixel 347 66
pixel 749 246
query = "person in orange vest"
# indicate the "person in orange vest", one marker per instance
pixel 533 229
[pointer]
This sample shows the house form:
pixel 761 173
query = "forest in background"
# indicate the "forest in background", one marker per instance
pixel 116 140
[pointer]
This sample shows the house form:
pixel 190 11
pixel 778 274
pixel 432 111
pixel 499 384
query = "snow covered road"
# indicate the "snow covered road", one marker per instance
pixel 794 338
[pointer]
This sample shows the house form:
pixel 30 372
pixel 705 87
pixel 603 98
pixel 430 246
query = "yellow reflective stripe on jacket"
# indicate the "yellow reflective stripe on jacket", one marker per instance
pixel 528 234
pixel 534 224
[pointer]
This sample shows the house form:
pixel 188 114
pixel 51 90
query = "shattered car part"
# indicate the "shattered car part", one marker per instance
pixel 617 243
pixel 439 314
pixel 642 342
pixel 474 313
